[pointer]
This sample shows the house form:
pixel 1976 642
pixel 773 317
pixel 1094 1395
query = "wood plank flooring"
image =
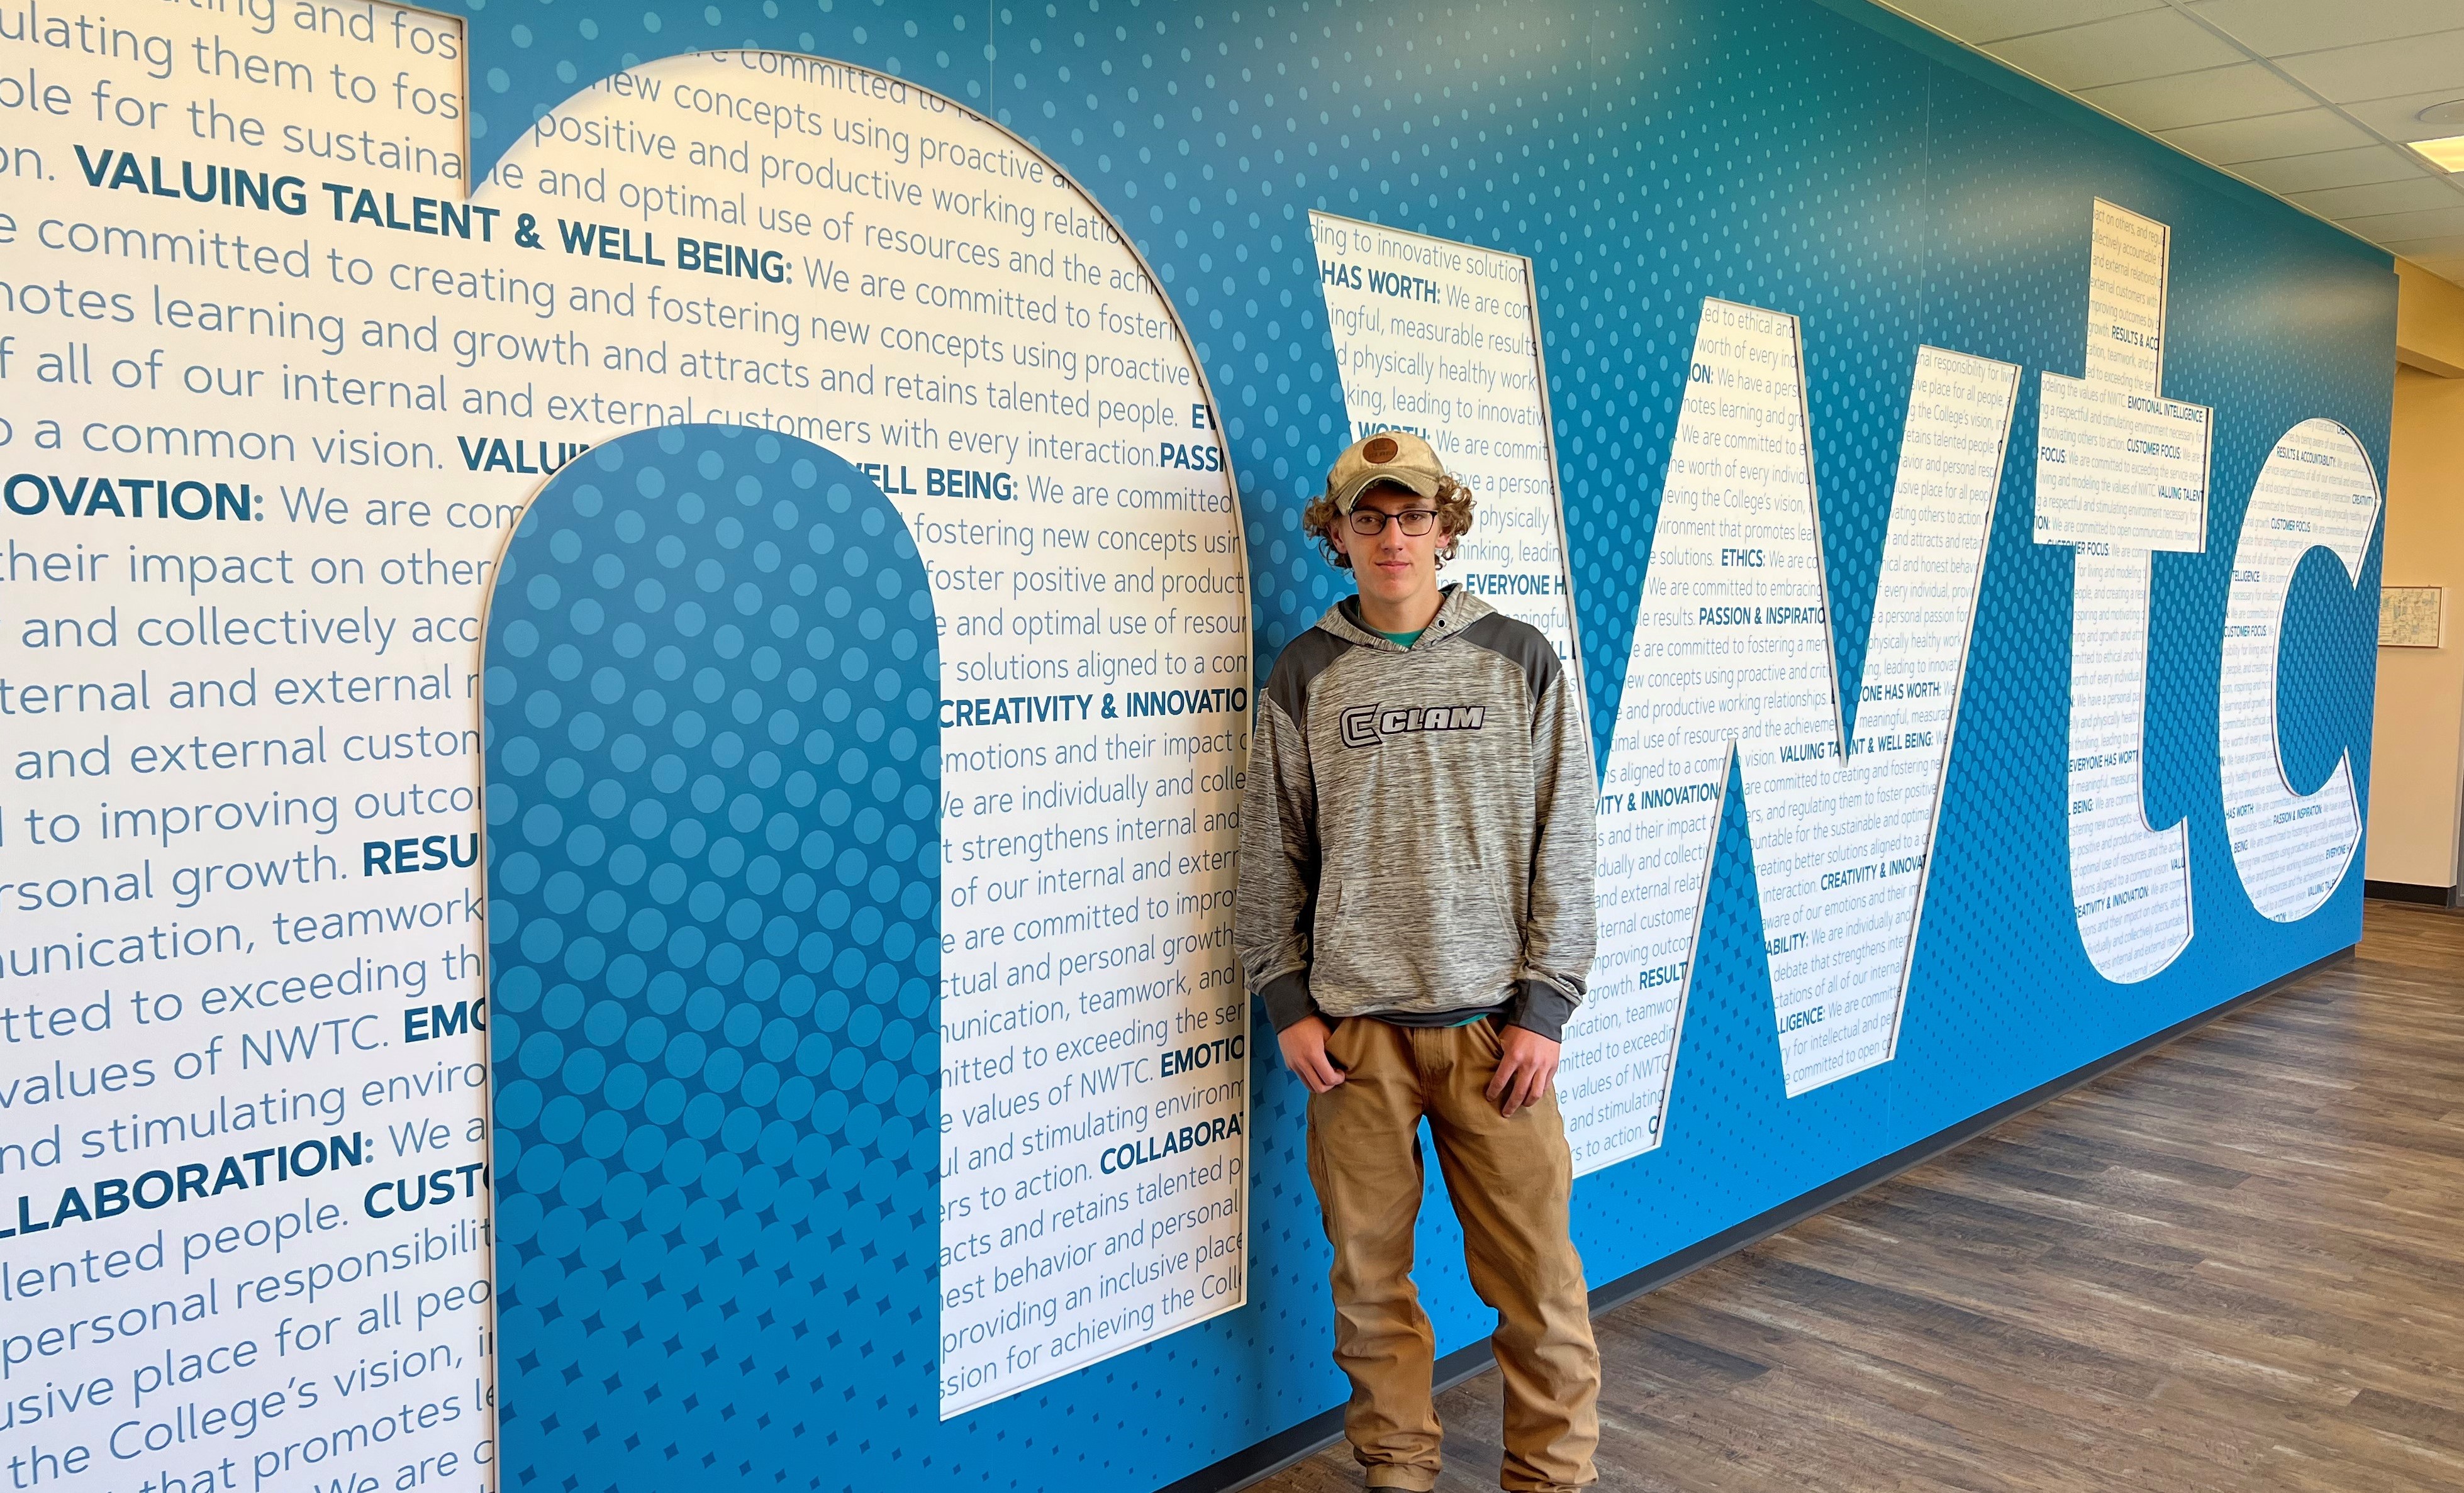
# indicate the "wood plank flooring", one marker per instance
pixel 2237 1264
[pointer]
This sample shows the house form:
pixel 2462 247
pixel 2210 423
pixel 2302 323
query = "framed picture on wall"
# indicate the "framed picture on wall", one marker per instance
pixel 2411 616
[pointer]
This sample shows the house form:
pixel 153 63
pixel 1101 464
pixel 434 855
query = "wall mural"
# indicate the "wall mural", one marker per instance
pixel 625 649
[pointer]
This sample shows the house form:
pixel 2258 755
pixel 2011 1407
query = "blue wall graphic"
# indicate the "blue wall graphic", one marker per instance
pixel 713 907
pixel 722 1240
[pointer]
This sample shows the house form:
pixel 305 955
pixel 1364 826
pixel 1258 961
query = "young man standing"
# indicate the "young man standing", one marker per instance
pixel 1416 911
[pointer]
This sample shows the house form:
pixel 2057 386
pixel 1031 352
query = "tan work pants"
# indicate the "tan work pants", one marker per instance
pixel 1510 1180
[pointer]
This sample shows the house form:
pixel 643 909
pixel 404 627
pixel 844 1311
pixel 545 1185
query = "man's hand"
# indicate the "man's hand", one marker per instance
pixel 1525 1070
pixel 1303 1044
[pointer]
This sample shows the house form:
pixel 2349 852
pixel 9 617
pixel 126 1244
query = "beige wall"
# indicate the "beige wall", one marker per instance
pixel 2429 322
pixel 2417 754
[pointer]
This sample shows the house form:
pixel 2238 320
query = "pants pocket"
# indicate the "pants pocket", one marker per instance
pixel 1338 1041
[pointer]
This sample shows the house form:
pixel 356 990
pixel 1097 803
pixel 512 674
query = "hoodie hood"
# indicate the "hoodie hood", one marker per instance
pixel 1459 610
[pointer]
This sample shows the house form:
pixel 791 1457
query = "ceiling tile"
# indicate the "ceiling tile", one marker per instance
pixel 2202 98
pixel 2388 226
pixel 2423 251
pixel 2120 50
pixel 1978 21
pixel 2268 136
pixel 2272 28
pixel 2446 267
pixel 2327 169
pixel 2398 117
pixel 2421 194
pixel 2382 69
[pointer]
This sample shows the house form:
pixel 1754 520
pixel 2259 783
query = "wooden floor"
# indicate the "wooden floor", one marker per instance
pixel 2237 1264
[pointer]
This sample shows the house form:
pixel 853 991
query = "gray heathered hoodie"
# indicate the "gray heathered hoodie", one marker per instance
pixel 1417 834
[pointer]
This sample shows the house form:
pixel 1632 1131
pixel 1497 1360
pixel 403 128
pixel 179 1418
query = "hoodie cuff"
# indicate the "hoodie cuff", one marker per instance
pixel 1541 1008
pixel 1288 999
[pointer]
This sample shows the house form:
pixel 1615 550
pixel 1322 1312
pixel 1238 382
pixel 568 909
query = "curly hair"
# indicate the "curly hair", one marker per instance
pixel 1455 506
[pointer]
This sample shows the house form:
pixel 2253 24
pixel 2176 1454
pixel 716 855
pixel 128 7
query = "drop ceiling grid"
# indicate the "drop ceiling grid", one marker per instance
pixel 2309 100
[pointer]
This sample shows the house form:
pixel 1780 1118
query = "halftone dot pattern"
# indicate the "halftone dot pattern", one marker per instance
pixel 1645 154
pixel 713 909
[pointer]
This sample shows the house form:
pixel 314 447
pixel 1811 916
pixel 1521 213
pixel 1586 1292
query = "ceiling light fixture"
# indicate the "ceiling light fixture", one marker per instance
pixel 2447 155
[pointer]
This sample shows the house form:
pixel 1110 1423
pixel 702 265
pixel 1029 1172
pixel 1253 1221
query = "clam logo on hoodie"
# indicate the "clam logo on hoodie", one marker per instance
pixel 1367 725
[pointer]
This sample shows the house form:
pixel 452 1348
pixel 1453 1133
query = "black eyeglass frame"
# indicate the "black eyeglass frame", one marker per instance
pixel 1370 522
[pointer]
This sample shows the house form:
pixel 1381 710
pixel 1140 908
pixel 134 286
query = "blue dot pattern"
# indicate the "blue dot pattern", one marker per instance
pixel 714 903
pixel 1815 158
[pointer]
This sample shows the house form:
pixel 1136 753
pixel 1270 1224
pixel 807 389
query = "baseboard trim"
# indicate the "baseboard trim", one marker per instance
pixel 2408 892
pixel 1263 1460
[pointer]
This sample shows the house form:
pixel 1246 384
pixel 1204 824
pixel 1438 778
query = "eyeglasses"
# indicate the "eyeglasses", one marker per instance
pixel 1414 522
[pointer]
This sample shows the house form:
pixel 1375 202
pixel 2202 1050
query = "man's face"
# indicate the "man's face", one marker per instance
pixel 1391 565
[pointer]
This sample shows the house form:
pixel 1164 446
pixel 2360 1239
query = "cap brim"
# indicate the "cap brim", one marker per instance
pixel 1348 495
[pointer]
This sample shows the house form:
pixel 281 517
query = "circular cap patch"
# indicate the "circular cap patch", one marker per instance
pixel 1380 450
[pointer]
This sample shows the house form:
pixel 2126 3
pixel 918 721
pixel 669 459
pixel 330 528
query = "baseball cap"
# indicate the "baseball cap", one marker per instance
pixel 1396 456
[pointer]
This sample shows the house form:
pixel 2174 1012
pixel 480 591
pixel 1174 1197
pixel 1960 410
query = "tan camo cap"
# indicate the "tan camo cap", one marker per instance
pixel 1396 456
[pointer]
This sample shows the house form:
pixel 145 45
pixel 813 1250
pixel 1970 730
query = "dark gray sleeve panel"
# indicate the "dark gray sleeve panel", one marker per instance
pixel 1297 668
pixel 1543 1008
pixel 1521 645
pixel 1288 999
